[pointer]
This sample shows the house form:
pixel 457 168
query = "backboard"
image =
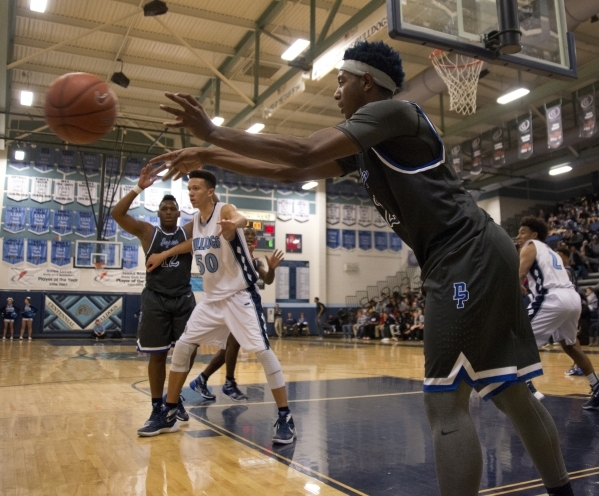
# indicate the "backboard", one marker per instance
pixel 461 25
pixel 98 254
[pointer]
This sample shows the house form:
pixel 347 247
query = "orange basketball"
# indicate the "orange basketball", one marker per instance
pixel 80 108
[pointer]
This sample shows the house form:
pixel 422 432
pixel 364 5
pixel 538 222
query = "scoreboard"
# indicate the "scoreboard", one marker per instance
pixel 264 225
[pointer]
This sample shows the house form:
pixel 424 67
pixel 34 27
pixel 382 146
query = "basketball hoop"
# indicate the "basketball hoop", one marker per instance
pixel 460 73
pixel 99 265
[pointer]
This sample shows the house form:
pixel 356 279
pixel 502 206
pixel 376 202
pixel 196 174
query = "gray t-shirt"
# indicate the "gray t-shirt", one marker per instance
pixel 402 166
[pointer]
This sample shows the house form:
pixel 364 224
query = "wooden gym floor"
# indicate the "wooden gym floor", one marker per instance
pixel 69 411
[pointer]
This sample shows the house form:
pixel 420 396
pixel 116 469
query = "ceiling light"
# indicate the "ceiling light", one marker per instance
pixel 119 77
pixel 19 155
pixel 38 5
pixel 218 121
pixel 155 8
pixel 513 95
pixel 559 169
pixel 309 185
pixel 26 98
pixel 256 128
pixel 294 50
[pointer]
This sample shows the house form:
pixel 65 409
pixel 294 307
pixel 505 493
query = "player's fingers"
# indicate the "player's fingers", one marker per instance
pixel 192 101
pixel 159 169
pixel 173 124
pixel 172 110
pixel 166 157
pixel 180 98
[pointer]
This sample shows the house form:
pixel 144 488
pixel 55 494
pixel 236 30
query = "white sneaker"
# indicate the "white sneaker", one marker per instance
pixel 385 340
pixel 29 338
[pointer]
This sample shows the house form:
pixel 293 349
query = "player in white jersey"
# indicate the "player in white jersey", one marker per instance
pixel 231 301
pixel 555 308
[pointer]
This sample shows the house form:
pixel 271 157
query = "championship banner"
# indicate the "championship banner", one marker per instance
pixel 152 198
pixel 17 187
pixel 379 220
pixel 112 166
pixel 283 95
pixel 362 193
pixel 130 257
pixel 125 189
pixel 333 213
pixel 297 187
pixel 62 222
pixel 284 209
pixel 185 205
pixel 14 219
pixel 380 241
pixel 133 167
pixel 477 156
pixel 525 146
pixel 83 256
pixel 85 225
pixel 587 116
pixel 64 191
pixel 44 159
pixel 555 131
pixel 230 179
pixel 39 220
pixel 348 239
pixel 13 250
pixel 41 189
pixel 60 253
pixel 498 147
pixel 44 278
pixel 67 162
pixel 348 214
pixel 364 215
pixel 331 189
pixel 125 234
pixel 395 242
pixel 37 251
pixel 87 196
pixel 301 211
pixel 284 189
pixel 153 220
pixel 120 279
pixel 248 183
pixel 90 163
pixel 456 158
pixel 109 230
pixel 265 185
pixel 111 195
pixel 347 190
pixel 333 238
pixel 365 240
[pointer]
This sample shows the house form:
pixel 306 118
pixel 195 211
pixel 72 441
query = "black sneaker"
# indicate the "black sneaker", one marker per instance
pixel 232 391
pixel 156 409
pixel 182 415
pixel 199 386
pixel 284 430
pixel 166 422
pixel 593 402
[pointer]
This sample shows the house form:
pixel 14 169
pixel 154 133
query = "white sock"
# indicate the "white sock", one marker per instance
pixel 593 379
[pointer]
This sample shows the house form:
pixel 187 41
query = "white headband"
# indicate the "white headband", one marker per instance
pixel 361 68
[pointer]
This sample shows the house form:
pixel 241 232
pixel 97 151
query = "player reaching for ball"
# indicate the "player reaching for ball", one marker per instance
pixel 477 335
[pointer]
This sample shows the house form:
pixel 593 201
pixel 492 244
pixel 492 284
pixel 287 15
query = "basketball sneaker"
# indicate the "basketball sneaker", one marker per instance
pixel 232 391
pixel 156 409
pixel 574 370
pixel 166 422
pixel 538 395
pixel 199 386
pixel 284 429
pixel 593 402
pixel 182 415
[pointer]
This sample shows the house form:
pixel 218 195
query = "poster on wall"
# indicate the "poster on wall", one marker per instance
pixel 17 187
pixel 64 191
pixel 41 189
pixel 380 241
pixel 364 215
pixel 230 179
pixel 37 251
pixel 284 209
pixel 111 195
pixel 348 239
pixel 265 185
pixel 14 219
pixel 68 312
pixel 125 189
pixel 456 157
pixel 133 167
pixel 587 117
pixel 555 131
pixel 365 240
pixel 109 230
pixel 248 183
pixel 90 163
pixel 87 193
pixel 62 222
pixel 301 211
pixel 477 156
pixel 152 198
pixel 292 282
pixel 333 213
pixel 130 257
pixel 333 238
pixel 44 159
pixel 112 166
pixel 525 145
pixel 60 253
pixel 498 147
pixel 67 162
pixel 378 221
pixel 85 224
pixel 39 220
pixel 293 243
pixel 395 243
pixel 348 214
pixel 13 251
pixel 44 278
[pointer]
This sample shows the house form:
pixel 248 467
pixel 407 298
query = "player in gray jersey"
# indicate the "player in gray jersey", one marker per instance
pixel 167 300
pixel 477 332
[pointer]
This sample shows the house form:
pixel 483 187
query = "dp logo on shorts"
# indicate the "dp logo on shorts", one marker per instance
pixel 460 294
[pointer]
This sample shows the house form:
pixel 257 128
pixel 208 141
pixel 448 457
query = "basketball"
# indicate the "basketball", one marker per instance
pixel 80 108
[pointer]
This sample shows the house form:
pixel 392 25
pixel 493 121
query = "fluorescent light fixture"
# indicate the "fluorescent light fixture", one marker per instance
pixel 559 169
pixel 513 95
pixel 19 155
pixel 294 50
pixel 256 128
pixel 26 98
pixel 218 121
pixel 38 5
pixel 309 185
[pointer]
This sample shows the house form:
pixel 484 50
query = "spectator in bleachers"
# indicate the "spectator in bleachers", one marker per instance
pixel 592 300
pixel 594 245
pixel 332 325
pixel 577 263
pixel 361 322
pixel 347 327
pixel 589 258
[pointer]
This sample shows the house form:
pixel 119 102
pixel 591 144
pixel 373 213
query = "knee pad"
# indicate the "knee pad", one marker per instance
pixel 181 356
pixel 272 368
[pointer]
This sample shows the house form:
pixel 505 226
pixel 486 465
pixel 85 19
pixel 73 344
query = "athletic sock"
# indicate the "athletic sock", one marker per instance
pixel 230 379
pixel 593 379
pixel 565 490
pixel 284 410
pixel 204 378
pixel 156 402
pixel 170 406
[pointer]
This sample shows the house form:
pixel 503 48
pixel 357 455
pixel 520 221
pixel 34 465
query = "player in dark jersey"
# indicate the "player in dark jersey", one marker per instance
pixel 229 355
pixel 477 332
pixel 167 300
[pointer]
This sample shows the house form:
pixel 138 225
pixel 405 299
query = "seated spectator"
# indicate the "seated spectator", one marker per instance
pixel 577 263
pixel 361 322
pixel 594 245
pixel 387 321
pixel 592 301
pixel 332 325
pixel 589 258
pixel 416 330
pixel 302 325
pixel 347 325
pixel 99 332
pixel 290 326
pixel 369 328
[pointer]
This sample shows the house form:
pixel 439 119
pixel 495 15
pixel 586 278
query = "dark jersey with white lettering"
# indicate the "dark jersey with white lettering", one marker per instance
pixel 402 166
pixel 172 278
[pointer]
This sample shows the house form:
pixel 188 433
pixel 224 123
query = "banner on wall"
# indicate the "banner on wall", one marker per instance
pixel 555 131
pixel 90 163
pixel 333 213
pixel 230 179
pixel 284 209
pixel 39 220
pixel 133 167
pixel 587 117
pixel 37 251
pixel 248 183
pixel 348 239
pixel 120 278
pixel 301 210
pixel 477 156
pixel 125 189
pixel 153 219
pixel 283 95
pixel 85 225
pixel 17 187
pixel 67 161
pixel 395 243
pixel 14 219
pixel 185 205
pixel 348 214
pixel 13 251
pixel 62 222
pixel 347 190
pixel 130 256
pixel 87 193
pixel 112 165
pixel 152 198
pixel 456 157
pixel 333 238
pixel 44 159
pixel 380 241
pixel 60 253
pixel 111 195
pixel 265 185
pixel 364 215
pixel 497 136
pixel 365 240
pixel 41 189
pixel 379 221
pixel 525 146
pixel 44 278
pixel 127 235
pixel 64 191
pixel 109 230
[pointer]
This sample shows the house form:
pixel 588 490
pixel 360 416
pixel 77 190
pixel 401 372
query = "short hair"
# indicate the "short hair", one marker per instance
pixel 249 229
pixel 380 56
pixel 563 250
pixel 537 225
pixel 169 198
pixel 205 175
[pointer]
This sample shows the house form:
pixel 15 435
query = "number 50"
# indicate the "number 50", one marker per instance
pixel 211 263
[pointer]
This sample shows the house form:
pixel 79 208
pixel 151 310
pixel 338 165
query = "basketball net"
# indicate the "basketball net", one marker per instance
pixel 460 73
pixel 99 266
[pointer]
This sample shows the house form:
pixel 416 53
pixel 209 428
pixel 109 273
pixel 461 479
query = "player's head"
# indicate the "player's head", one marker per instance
pixel 316 299
pixel 201 186
pixel 250 236
pixel 370 72
pixel 532 227
pixel 168 212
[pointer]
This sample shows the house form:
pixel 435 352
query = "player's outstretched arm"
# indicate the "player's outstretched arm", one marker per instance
pixel 230 221
pixel 268 276
pixel 320 148
pixel 156 259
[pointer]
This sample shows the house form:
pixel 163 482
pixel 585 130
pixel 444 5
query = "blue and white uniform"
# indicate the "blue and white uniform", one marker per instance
pixel 231 299
pixel 28 312
pixel 10 312
pixel 556 306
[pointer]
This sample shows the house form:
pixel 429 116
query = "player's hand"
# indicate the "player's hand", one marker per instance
pixel 153 262
pixel 178 163
pixel 274 261
pixel 146 178
pixel 191 116
pixel 227 229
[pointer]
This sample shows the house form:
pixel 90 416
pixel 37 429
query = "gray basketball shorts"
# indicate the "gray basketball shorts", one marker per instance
pixel 162 320
pixel 476 326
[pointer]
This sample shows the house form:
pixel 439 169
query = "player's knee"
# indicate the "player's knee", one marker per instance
pixel 182 356
pixel 158 358
pixel 272 368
